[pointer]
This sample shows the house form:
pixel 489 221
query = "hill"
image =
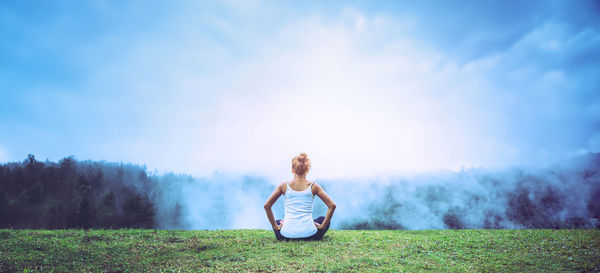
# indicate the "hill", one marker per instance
pixel 146 250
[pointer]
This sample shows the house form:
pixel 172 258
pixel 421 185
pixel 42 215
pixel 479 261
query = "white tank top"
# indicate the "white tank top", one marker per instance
pixel 298 221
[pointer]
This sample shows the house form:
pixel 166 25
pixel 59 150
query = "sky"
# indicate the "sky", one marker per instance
pixel 363 87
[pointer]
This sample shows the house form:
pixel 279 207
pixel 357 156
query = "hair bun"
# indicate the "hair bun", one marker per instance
pixel 302 157
pixel 301 164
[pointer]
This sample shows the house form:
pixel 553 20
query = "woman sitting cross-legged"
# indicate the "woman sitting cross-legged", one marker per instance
pixel 299 194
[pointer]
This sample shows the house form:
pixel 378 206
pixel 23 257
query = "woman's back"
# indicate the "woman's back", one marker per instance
pixel 299 196
pixel 298 221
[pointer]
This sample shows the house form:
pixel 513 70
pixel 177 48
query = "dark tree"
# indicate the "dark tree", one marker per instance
pixel 107 212
pixel 35 194
pixel 74 194
pixel 85 214
pixel 452 220
pixel 138 212
pixel 4 210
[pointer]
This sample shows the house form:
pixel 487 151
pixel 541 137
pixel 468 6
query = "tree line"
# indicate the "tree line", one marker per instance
pixel 75 194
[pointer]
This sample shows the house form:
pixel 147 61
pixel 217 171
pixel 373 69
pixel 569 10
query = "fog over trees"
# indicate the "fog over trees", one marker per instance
pixel 91 194
pixel 75 194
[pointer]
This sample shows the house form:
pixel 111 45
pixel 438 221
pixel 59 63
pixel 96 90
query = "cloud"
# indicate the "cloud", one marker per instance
pixel 344 91
pixel 362 90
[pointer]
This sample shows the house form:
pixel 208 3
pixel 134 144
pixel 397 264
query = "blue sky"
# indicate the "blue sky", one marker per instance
pixel 363 87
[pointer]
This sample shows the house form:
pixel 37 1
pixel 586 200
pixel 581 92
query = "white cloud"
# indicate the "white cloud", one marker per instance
pixel 355 105
pixel 355 92
pixel 360 93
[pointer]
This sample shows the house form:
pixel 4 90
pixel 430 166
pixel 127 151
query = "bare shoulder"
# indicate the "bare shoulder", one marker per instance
pixel 282 187
pixel 315 188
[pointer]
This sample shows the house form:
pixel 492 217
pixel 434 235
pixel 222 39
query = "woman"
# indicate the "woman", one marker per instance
pixel 299 195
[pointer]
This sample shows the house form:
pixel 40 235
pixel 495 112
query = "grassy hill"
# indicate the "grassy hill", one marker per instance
pixel 135 250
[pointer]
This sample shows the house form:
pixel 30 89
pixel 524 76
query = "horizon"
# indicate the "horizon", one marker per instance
pixel 368 178
pixel 365 89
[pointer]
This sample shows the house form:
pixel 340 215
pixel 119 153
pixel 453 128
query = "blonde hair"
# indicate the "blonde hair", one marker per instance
pixel 301 164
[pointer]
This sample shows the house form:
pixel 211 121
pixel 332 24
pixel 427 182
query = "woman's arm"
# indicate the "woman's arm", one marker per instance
pixel 317 190
pixel 272 199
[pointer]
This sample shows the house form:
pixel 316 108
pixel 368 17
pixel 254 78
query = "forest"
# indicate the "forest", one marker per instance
pixel 96 194
pixel 75 194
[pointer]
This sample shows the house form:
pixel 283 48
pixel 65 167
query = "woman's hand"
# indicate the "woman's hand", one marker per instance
pixel 319 226
pixel 278 227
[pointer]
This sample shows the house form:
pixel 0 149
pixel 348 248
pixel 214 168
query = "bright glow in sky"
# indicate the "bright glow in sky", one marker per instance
pixel 363 88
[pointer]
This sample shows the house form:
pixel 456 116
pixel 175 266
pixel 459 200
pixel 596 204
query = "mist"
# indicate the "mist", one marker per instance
pixel 90 194
pixel 560 195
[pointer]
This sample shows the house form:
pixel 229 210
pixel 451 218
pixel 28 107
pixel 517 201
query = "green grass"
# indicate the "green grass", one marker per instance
pixel 131 250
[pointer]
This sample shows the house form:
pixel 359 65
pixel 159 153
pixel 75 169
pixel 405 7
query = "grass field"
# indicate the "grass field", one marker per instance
pixel 131 250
